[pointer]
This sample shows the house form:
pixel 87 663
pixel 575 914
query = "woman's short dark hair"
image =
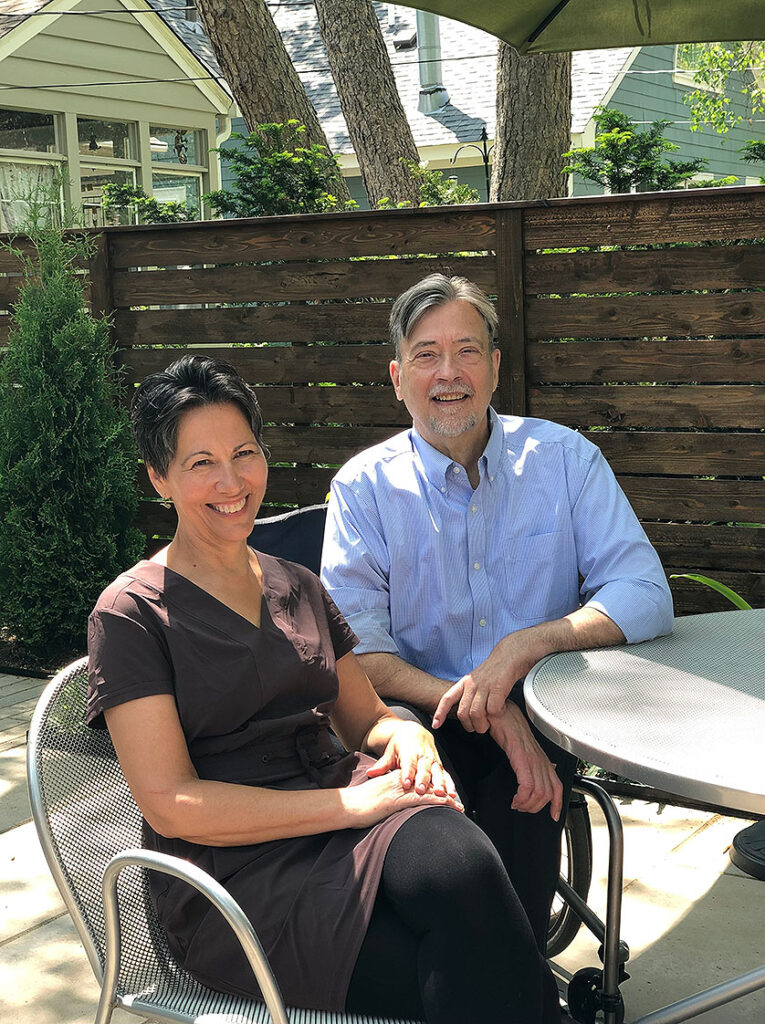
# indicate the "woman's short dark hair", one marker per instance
pixel 188 383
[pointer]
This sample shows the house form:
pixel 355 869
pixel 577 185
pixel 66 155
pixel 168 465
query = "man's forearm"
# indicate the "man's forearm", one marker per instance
pixel 395 679
pixel 584 628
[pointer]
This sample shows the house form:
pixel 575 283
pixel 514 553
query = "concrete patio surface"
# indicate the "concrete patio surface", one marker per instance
pixel 690 917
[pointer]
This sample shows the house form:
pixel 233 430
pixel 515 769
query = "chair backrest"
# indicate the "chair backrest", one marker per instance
pixel 295 535
pixel 84 815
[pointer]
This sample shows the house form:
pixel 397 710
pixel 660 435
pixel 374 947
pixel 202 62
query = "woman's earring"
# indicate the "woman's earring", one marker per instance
pixel 167 502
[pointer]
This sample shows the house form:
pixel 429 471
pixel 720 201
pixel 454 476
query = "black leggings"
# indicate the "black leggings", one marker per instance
pixel 449 941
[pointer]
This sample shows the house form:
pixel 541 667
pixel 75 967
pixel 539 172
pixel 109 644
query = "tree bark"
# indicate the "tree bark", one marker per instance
pixel 377 125
pixel 533 125
pixel 258 68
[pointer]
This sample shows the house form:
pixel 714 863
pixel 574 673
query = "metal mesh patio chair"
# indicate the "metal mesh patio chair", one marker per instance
pixel 90 831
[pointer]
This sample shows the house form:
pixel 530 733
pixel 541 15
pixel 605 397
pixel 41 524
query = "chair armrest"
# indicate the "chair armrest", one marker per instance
pixel 214 892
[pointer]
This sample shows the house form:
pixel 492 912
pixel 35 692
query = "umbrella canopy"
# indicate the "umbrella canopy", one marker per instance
pixel 548 26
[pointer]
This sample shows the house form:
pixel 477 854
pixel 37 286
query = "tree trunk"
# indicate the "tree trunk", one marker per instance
pixel 377 125
pixel 533 125
pixel 258 68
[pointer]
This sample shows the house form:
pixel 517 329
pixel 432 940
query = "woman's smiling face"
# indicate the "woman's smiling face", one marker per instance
pixel 217 477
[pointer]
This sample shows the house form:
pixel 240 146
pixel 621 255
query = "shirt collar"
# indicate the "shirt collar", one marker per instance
pixel 437 465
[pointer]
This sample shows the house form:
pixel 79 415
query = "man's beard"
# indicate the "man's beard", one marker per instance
pixel 453 428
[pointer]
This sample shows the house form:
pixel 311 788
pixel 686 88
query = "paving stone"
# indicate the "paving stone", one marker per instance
pixel 45 978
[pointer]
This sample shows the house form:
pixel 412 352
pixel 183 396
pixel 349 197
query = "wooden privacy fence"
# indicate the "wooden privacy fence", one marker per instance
pixel 655 350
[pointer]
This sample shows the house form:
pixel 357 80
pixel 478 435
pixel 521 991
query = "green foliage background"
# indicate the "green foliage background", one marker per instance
pixel 67 459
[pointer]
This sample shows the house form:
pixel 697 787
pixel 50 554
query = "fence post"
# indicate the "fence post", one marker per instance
pixel 100 274
pixel 511 392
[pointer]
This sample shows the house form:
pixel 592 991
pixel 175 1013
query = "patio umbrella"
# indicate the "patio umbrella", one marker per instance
pixel 547 26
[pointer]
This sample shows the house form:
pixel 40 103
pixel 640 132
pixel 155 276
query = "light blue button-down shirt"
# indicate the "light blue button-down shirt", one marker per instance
pixel 425 567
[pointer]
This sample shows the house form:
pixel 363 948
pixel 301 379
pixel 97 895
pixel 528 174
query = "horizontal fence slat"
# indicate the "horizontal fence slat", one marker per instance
pixel 692 598
pixel 357 405
pixel 288 238
pixel 702 501
pixel 631 316
pixel 333 445
pixel 645 220
pixel 650 270
pixel 373 278
pixel 705 406
pixel 740 360
pixel 681 452
pixel 705 549
pixel 276 364
pixel 358 321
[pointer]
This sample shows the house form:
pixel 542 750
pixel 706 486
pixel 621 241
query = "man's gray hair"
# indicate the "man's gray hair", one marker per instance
pixel 437 290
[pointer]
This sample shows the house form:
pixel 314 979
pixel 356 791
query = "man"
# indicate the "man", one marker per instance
pixel 464 550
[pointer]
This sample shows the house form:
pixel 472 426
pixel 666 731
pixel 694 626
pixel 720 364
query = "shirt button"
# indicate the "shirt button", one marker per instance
pixel 443 490
pixel 491 479
pixel 476 565
pixel 482 622
pixel 474 508
pixel 456 470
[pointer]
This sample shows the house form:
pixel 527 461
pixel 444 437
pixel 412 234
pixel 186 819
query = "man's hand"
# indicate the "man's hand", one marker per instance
pixel 482 693
pixel 538 784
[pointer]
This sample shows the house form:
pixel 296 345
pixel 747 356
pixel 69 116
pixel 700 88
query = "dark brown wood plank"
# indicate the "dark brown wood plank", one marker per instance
pixel 9 290
pixel 708 549
pixel 276 364
pixel 337 322
pixel 511 390
pixel 333 236
pixel 692 598
pixel 741 360
pixel 648 270
pixel 694 215
pixel 705 406
pixel 631 316
pixel 365 405
pixel 291 282
pixel 5 325
pixel 701 501
pixel 681 452
pixel 334 445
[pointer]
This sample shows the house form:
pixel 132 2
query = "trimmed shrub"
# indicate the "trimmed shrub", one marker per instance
pixel 67 458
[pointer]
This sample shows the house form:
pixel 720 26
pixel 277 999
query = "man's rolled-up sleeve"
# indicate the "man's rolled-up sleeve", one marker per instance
pixel 621 572
pixel 355 566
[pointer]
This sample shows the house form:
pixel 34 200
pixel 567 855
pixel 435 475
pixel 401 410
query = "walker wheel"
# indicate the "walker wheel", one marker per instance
pixel 585 996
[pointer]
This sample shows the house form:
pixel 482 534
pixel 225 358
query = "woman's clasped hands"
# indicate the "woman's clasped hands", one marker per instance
pixel 408 773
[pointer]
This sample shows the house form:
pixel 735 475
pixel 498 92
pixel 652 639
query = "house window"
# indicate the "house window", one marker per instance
pixel 687 59
pixel 92 180
pixel 25 130
pixel 175 145
pixel 178 188
pixel 110 139
pixel 28 191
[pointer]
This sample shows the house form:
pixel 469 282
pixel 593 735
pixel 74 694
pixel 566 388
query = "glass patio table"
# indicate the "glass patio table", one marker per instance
pixel 684 713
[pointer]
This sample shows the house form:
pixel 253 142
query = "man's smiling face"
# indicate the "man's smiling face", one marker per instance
pixel 447 374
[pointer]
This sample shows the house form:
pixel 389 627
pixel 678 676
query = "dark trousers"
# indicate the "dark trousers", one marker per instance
pixel 528 844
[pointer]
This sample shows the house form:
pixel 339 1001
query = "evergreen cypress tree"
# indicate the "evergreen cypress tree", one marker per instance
pixel 67 458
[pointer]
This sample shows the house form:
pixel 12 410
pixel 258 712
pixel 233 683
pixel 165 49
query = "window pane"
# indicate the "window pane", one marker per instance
pixel 177 188
pixel 92 181
pixel 688 55
pixel 21 129
pixel 175 145
pixel 28 192
pixel 104 138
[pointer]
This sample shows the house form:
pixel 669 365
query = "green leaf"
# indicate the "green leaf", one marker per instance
pixel 731 595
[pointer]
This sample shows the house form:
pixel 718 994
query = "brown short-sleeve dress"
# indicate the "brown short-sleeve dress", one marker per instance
pixel 253 705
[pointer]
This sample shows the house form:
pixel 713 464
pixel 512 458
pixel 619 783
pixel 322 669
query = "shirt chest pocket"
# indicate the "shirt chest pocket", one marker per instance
pixel 541 576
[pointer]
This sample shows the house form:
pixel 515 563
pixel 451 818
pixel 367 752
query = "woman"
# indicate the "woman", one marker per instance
pixel 218 671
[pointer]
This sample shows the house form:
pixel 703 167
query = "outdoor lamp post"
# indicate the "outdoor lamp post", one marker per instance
pixel 485 150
